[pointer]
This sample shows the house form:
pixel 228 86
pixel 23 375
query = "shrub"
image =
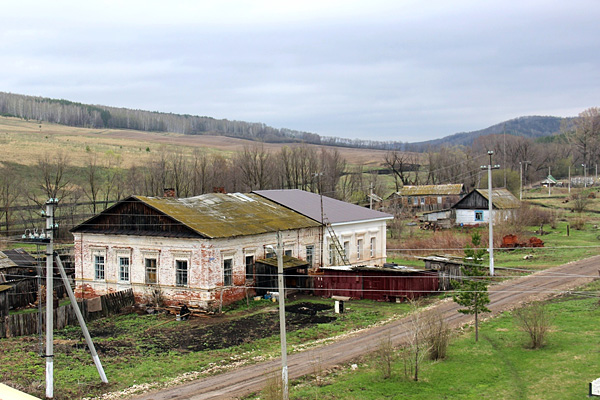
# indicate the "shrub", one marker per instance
pixel 534 320
pixel 437 335
pixel 385 357
pixel 578 224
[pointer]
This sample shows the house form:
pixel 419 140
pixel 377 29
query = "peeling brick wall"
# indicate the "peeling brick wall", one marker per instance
pixel 204 259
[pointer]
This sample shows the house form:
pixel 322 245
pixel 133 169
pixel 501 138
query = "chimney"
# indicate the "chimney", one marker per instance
pixel 169 192
pixel 218 189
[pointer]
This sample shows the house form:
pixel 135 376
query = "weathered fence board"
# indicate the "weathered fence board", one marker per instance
pixel 28 324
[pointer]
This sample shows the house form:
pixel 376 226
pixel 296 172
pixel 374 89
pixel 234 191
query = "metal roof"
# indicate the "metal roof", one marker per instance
pixel 288 262
pixel 431 190
pixel 309 204
pixel 501 198
pixel 371 268
pixel 219 215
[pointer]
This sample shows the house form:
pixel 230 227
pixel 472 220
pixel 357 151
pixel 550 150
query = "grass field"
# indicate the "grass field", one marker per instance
pixel 142 349
pixel 499 366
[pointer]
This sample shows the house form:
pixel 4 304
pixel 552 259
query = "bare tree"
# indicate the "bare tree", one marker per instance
pixel 256 167
pixel 93 175
pixel 585 137
pixel 8 195
pixel 534 320
pixel 53 175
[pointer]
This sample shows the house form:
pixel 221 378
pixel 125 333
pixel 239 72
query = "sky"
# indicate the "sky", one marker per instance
pixel 380 69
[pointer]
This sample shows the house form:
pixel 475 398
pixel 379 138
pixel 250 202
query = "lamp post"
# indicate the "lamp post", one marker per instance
pixel 489 167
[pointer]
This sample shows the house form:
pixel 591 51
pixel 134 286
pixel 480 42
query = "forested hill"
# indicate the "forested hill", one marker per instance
pixel 531 127
pixel 96 116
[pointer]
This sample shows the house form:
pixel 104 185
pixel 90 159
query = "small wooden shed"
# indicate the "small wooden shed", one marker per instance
pixel 448 269
pixel 389 283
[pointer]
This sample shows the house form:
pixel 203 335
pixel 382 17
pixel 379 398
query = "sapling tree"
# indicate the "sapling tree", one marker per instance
pixel 472 291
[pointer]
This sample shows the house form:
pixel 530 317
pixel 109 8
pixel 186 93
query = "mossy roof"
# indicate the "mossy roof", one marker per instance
pixel 501 198
pixel 220 215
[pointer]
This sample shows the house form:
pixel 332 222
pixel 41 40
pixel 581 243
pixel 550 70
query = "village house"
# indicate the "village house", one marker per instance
pixel 200 251
pixel 473 209
pixel 427 197
pixel 360 232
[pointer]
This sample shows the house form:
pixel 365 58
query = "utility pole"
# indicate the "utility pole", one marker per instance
pixel 489 167
pixel 50 203
pixel 282 333
pixel 569 179
pixel 549 183
pixel 371 196
pixel 521 176
pixel 584 176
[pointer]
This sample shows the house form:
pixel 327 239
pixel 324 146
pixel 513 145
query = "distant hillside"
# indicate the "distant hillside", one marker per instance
pixel 531 127
pixel 70 113
pixel 74 114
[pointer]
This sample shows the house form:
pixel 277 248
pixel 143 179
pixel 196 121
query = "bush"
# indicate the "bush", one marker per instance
pixel 534 320
pixel 437 335
pixel 385 357
pixel 578 224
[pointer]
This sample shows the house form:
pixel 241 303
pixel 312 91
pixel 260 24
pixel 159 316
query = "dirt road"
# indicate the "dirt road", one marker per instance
pixel 503 297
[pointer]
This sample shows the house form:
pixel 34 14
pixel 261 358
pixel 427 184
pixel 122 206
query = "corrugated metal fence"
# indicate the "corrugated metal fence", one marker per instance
pixel 28 324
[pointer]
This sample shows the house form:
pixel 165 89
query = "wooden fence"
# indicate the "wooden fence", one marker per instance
pixel 28 324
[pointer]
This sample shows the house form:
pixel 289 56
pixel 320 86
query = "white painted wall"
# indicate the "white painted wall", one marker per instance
pixel 352 232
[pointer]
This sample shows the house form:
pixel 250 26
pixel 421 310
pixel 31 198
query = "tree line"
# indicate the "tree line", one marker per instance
pixel 70 113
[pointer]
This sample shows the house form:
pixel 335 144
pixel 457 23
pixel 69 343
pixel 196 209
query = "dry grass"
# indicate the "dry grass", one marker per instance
pixel 24 142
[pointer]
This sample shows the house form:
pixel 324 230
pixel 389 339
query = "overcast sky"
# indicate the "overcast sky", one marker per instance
pixel 377 69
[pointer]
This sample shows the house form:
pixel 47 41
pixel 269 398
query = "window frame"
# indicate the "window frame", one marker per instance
pixel 124 270
pixel 359 248
pixel 147 268
pixel 373 247
pixel 99 267
pixel 310 254
pixel 249 274
pixel 228 271
pixel 181 274
pixel 481 218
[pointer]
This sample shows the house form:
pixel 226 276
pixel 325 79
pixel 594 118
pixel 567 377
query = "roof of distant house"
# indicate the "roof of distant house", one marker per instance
pixel 501 198
pixel 431 190
pixel 218 215
pixel 309 204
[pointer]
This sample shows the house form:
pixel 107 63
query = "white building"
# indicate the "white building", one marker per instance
pixel 361 232
pixel 473 209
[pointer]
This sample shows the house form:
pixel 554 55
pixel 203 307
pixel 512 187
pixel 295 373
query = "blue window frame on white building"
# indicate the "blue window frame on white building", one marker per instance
pixel 479 216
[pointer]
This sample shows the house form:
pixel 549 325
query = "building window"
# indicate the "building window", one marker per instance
pixel 347 249
pixel 181 272
pixel 373 249
pixel 151 271
pixel 249 267
pixel 227 272
pixel 440 199
pixel 478 215
pixel 415 201
pixel 310 255
pixel 287 253
pixel 422 201
pixel 124 269
pixel 359 249
pixel 99 267
pixel 332 257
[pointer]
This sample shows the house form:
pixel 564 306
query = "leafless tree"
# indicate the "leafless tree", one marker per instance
pixel 256 167
pixel 53 174
pixel 8 195
pixel 585 135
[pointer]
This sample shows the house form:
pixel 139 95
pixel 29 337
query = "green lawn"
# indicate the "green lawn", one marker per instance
pixel 498 367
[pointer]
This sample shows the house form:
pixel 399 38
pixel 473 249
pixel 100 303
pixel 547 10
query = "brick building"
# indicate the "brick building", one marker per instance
pixel 200 250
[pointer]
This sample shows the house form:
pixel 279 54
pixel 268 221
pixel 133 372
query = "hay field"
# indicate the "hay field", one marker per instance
pixel 24 142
